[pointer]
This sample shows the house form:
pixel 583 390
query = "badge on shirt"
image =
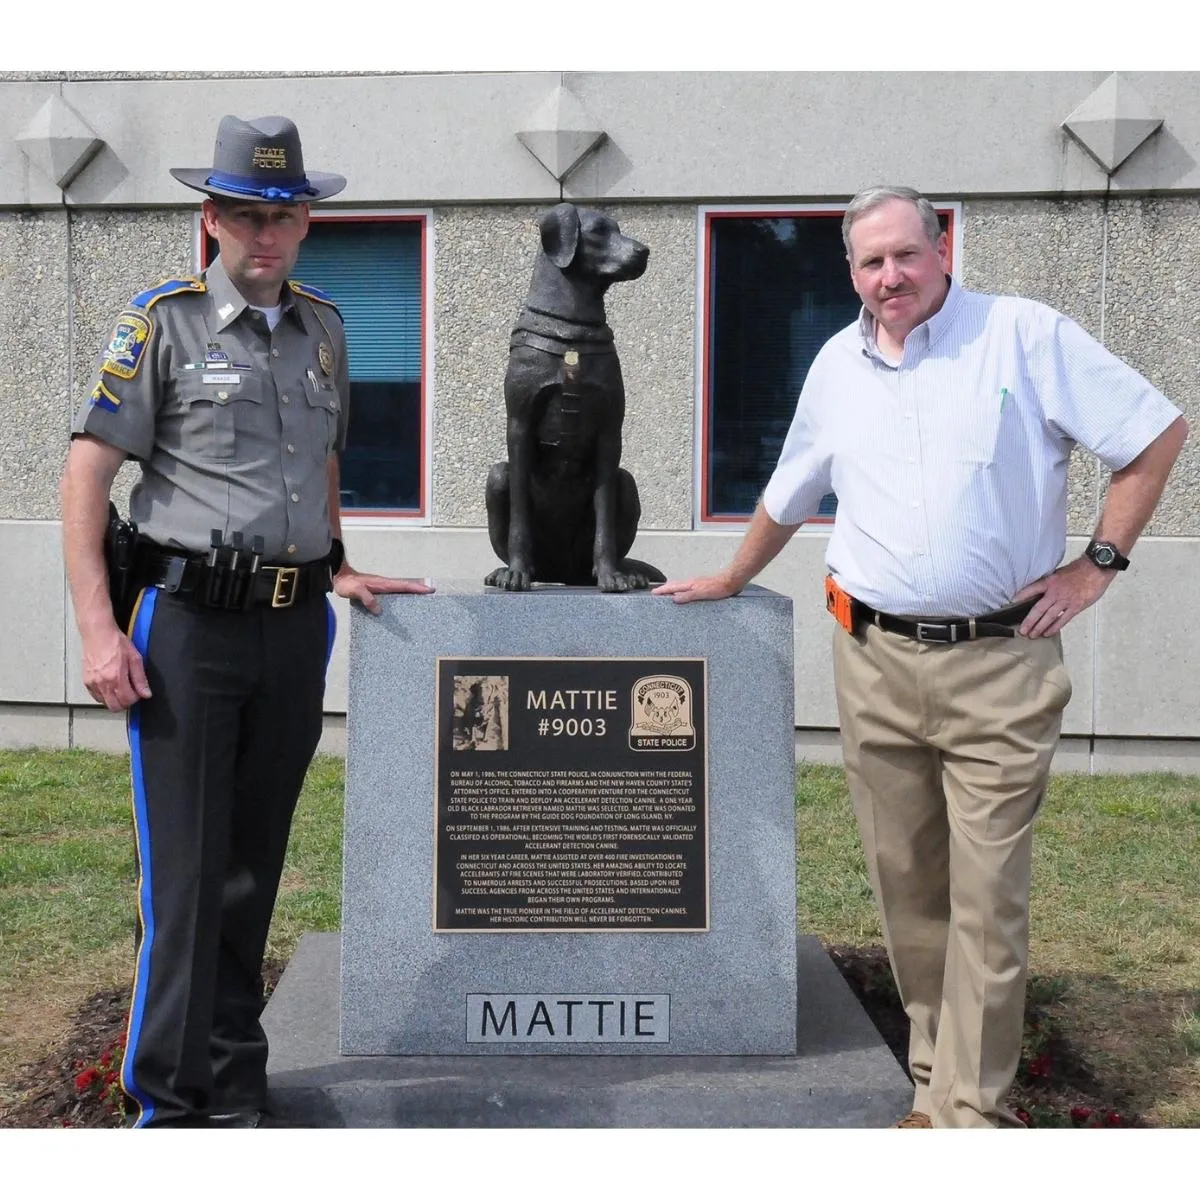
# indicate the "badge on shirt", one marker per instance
pixel 215 355
pixel 220 377
pixel 325 358
pixel 125 347
pixel 101 397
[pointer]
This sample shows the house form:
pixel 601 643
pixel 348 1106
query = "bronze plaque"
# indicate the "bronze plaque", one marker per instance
pixel 572 795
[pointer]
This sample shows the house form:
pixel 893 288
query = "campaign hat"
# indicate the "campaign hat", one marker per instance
pixel 260 160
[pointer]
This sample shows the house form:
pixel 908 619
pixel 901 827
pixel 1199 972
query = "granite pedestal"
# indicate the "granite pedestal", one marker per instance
pixel 370 1030
pixel 842 1076
pixel 728 989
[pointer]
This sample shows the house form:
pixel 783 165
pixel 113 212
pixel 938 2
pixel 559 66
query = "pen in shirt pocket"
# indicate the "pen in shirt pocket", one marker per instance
pixel 1004 394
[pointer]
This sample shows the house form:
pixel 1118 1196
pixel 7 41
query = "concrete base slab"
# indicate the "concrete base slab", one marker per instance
pixel 843 1076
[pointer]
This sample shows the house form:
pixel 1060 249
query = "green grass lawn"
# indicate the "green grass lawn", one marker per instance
pixel 1115 921
pixel 1116 912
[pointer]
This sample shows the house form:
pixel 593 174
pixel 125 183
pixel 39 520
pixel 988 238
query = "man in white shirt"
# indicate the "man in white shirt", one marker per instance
pixel 944 420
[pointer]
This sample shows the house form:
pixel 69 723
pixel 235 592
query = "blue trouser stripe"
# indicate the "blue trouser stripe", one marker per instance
pixel 331 628
pixel 140 637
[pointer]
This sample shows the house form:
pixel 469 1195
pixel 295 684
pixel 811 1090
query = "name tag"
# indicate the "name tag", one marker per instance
pixel 220 377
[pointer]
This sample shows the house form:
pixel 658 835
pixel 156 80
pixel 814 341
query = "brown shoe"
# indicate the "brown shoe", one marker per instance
pixel 914 1120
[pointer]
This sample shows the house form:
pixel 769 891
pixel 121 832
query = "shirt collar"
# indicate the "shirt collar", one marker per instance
pixel 229 303
pixel 290 305
pixel 934 326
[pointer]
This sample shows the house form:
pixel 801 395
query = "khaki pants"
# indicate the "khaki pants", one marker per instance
pixel 947 751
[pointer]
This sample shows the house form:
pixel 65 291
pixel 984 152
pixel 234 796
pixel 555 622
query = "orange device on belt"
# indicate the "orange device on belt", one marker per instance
pixel 840 604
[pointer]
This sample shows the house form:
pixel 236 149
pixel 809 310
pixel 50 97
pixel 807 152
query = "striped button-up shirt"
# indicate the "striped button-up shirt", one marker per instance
pixel 950 466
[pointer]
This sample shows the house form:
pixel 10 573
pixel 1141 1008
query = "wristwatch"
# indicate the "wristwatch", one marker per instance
pixel 1106 556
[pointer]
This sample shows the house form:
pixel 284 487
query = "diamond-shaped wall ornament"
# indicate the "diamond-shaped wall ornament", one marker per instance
pixel 59 141
pixel 1112 122
pixel 560 133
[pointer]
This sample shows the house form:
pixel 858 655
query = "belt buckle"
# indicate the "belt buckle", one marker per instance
pixel 925 632
pixel 284 593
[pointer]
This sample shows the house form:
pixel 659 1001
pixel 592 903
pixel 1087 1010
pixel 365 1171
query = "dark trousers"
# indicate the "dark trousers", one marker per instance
pixel 218 756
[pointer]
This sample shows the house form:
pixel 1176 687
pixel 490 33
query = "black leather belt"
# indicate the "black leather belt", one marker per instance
pixel 947 630
pixel 271 586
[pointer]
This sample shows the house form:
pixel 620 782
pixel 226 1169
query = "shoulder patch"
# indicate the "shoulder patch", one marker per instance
pixel 312 293
pixel 123 355
pixel 169 287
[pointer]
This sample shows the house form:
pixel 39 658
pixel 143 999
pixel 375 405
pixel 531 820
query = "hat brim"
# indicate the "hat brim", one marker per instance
pixel 324 185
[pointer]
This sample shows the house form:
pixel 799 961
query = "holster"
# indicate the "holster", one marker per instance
pixel 120 556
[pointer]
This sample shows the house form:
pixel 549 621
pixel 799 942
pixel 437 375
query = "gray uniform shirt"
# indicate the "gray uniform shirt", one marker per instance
pixel 233 424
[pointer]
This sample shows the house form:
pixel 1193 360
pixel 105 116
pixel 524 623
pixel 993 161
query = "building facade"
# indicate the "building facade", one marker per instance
pixel 1080 189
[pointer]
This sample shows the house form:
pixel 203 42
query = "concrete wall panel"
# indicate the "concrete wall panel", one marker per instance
pixel 1138 678
pixel 32 613
pixel 34 726
pixel 34 325
pixel 784 134
pixel 1147 659
pixel 483 259
pixel 1152 321
pixel 451 138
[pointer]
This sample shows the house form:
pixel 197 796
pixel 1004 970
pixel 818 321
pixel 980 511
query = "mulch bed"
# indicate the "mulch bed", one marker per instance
pixel 1054 1087
pixel 50 1095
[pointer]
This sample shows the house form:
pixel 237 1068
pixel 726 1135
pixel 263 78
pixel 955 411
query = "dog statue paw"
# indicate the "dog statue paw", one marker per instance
pixel 509 579
pixel 562 495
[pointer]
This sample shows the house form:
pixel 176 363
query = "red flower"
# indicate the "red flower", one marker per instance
pixel 85 1079
pixel 1039 1067
pixel 121 1040
pixel 1080 1114
pixel 110 1078
pixel 1024 1117
pixel 106 1059
pixel 1112 1118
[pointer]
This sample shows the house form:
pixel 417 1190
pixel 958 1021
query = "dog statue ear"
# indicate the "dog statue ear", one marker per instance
pixel 560 234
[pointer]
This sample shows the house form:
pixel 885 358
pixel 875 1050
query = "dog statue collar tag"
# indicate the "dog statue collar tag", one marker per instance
pixel 325 358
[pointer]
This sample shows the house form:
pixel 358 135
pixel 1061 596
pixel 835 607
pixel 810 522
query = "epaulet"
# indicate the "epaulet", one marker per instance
pixel 169 287
pixel 312 293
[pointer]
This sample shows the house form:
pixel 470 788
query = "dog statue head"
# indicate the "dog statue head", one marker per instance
pixel 585 242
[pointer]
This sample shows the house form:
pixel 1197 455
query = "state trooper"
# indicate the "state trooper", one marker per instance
pixel 231 392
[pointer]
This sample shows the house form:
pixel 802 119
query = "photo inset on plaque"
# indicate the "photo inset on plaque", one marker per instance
pixel 480 720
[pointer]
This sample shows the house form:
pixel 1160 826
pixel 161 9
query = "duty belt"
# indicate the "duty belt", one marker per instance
pixel 267 586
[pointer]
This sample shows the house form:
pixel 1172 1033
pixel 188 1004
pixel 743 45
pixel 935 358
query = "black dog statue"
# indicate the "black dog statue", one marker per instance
pixel 562 509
